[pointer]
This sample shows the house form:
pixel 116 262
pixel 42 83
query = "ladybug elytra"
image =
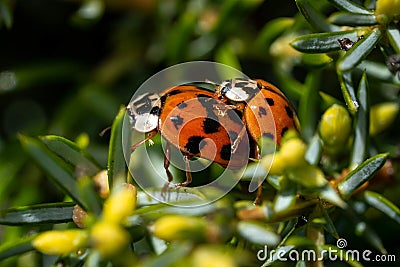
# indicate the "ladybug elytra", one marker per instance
pixel 195 122
pixel 222 126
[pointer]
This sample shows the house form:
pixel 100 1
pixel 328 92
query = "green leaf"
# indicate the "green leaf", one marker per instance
pixel 361 174
pixel 393 35
pixel 174 253
pixel 117 167
pixel 329 226
pixel 314 17
pixel 359 50
pixel 316 60
pixel 314 150
pixel 360 146
pixel 272 30
pixel 61 173
pixel 364 230
pixel 322 42
pixel 226 55
pixel 286 196
pixel 308 105
pixel 328 100
pixel 378 71
pixel 72 153
pixel 258 233
pixel 351 7
pixel 349 19
pixel 179 36
pixel 382 204
pixel 38 214
pixel 6 15
pixel 16 248
pixel 87 190
pixel 348 91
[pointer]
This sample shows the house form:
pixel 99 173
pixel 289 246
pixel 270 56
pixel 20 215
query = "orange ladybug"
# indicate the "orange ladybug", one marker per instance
pixel 266 110
pixel 194 121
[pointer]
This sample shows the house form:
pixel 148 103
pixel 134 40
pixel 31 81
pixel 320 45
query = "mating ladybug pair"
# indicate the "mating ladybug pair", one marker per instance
pixel 222 126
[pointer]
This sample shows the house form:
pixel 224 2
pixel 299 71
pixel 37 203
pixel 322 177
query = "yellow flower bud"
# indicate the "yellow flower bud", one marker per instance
pixel 210 257
pixel 60 242
pixel 335 126
pixel 386 10
pixel 175 227
pixel 273 164
pixel 382 116
pixel 120 204
pixel 292 152
pixel 108 238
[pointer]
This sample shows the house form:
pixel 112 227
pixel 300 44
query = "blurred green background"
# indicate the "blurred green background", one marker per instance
pixel 66 67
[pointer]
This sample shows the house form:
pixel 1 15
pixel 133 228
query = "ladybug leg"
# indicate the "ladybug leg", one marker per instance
pixel 186 158
pixel 259 194
pixel 167 162
pixel 149 136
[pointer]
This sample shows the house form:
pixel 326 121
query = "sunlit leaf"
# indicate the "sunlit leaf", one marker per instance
pixel 360 146
pixel 308 105
pixel 286 197
pixel 361 174
pixel 359 51
pixel 349 95
pixel 322 42
pixel 393 34
pixel 61 173
pixel 314 17
pixel 351 7
pixel 38 214
pixel 349 19
pixel 117 167
pixel 258 233
pixel 72 153
pixel 316 60
pixel 382 204
pixel 314 150
pixel 17 248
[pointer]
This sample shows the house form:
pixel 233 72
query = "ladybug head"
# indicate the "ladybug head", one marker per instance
pixel 238 89
pixel 143 112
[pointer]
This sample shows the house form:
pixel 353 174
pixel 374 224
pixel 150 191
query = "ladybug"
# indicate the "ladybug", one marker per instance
pixel 266 110
pixel 193 120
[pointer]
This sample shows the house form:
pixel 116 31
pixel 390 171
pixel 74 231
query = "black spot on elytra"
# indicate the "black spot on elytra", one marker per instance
pixel 261 112
pixel 155 111
pixel 182 105
pixel 289 112
pixel 194 144
pixel 284 130
pixel 210 125
pixel 226 152
pixel 174 92
pixel 270 101
pixel 268 135
pixel 177 121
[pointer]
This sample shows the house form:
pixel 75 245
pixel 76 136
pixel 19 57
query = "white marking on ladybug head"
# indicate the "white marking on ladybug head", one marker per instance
pixel 145 122
pixel 143 112
pixel 239 89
